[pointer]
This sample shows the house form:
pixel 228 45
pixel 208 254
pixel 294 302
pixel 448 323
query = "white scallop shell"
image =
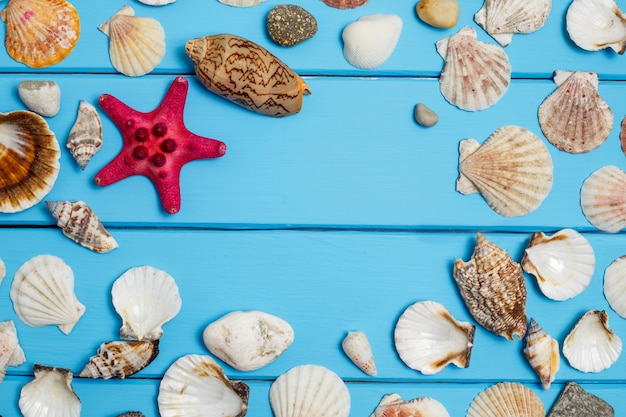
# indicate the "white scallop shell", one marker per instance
pixel 85 138
pixel 136 44
pixel 241 3
pixel 11 353
pixel 357 348
pixel 542 352
pixel 512 170
pixel 43 293
pixel 563 263
pixel 50 394
pixel 591 346
pixel 596 24
pixel 603 199
pixel 369 42
pixel 503 18
pixel 506 399
pixel 195 385
pixel 145 298
pixel 427 338
pixel 392 405
pixel 3 270
pixel 310 390
pixel 475 74
pixel 615 285
pixel 157 2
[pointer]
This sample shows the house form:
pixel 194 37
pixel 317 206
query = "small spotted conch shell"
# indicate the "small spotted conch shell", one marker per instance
pixel 493 288
pixel 542 352
pixel 79 222
pixel 392 405
pixel 85 138
pixel 357 348
pixel 247 74
pixel 507 399
pixel 120 359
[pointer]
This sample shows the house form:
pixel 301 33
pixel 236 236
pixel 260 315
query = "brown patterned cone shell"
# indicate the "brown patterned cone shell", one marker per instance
pixel 121 359
pixel 247 74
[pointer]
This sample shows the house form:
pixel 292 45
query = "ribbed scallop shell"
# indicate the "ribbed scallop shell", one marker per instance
pixel 603 199
pixel 369 42
pixel 504 18
pixel 591 346
pixel 345 4
pixel 475 74
pixel 50 394
pixel 43 293
pixel 615 285
pixel 11 353
pixel 3 270
pixel 40 33
pixel 563 263
pixel 81 224
pixel 542 352
pixel 392 405
pixel 574 118
pixel 512 170
pixel 596 24
pixel 241 3
pixel 310 390
pixel 357 348
pixel 507 399
pixel 493 288
pixel 145 298
pixel 195 385
pixel 136 44
pixel 29 160
pixel 85 138
pixel 428 338
pixel 120 359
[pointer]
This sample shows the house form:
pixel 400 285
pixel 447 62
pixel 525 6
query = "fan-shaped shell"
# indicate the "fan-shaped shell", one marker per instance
pixel 392 405
pixel 428 338
pixel 475 74
pixel 563 263
pixel 615 285
pixel 120 359
pixel 493 288
pixel 369 42
pixel 310 390
pixel 596 24
pixel 85 138
pixel 29 160
pixel 195 385
pixel 503 18
pixel 50 394
pixel 357 348
pixel 11 353
pixel 542 352
pixel 512 170
pixel 40 33
pixel 507 399
pixel 574 118
pixel 603 199
pixel 43 293
pixel 136 44
pixel 146 298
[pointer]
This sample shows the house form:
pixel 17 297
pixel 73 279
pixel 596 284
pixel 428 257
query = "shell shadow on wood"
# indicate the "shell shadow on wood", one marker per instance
pixel 85 138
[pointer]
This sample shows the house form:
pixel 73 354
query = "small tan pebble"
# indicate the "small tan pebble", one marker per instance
pixel 41 97
pixel 425 116
pixel 439 13
pixel 289 25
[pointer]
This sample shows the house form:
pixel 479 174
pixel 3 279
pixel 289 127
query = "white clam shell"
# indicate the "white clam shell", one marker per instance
pixel 615 285
pixel 603 199
pixel 596 24
pixel 591 346
pixel 357 348
pixel 11 353
pixel 475 74
pixel 392 405
pixel 195 385
pixel 563 263
pixel 428 338
pixel 50 394
pixel 248 340
pixel 145 298
pixel 369 42
pixel 43 293
pixel 504 18
pixel 542 352
pixel 506 399
pixel 241 3
pixel 85 138
pixel 310 390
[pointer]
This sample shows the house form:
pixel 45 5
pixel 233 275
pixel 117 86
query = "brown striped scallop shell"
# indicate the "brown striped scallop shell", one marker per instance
pixel 507 399
pixel 121 359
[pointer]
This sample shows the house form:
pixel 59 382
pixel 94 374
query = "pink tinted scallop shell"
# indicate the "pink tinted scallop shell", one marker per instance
pixel 345 4
pixel 603 199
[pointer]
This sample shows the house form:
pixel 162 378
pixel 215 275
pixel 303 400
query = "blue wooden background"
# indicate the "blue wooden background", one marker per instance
pixel 335 219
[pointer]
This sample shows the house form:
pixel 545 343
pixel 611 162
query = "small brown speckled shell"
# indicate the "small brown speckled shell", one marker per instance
pixel 246 74
pixel 493 288
pixel 85 138
pixel 121 359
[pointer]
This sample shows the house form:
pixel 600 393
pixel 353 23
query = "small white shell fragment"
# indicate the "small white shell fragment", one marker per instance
pixel 85 138
pixel 157 2
pixel 615 285
pixel 241 3
pixel 357 348
pixel 596 24
pixel 392 405
pixel 542 352
pixel 603 198
pixel 11 353
pixel 41 97
pixel 503 18
pixel 507 399
pixel 248 340
pixel 591 346
pixel 425 116
pixel 369 42
pixel 50 394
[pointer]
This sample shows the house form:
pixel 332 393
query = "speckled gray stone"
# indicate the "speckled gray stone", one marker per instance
pixel 574 401
pixel 289 25
pixel 425 116
pixel 41 97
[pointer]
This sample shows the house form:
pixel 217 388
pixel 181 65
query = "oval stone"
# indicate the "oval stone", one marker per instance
pixel 289 25
pixel 41 97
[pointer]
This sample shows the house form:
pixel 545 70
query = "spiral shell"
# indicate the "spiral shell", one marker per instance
pixel 357 348
pixel 542 352
pixel 85 138
pixel 120 359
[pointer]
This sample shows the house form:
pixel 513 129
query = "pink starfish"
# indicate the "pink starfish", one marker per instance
pixel 156 144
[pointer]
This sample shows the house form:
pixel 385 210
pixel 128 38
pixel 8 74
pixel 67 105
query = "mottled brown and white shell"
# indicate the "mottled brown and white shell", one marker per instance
pixel 29 160
pixel 603 199
pixel 493 288
pixel 574 118
pixel 503 18
pixel 475 74
pixel 357 348
pixel 596 24
pixel 36 396
pixel 345 4
pixel 507 399
pixel 512 170
pixel 11 353
pixel 40 33
pixel 542 352
pixel 120 359
pixel 81 224
pixel 85 138
pixel 615 285
pixel 247 74
pixel 392 405
pixel 136 44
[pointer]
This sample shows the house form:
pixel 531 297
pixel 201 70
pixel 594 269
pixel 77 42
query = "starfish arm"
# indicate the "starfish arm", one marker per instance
pixel 119 112
pixel 168 187
pixel 112 172
pixel 199 147
pixel 172 105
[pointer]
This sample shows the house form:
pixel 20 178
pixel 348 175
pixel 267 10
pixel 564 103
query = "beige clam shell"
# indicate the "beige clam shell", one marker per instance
pixel 603 199
pixel 369 42
pixel 512 170
pixel 596 24
pixel 392 405
pixel 615 285
pixel 52 391
pixel 504 18
pixel 120 359
pixel 542 352
pixel 507 399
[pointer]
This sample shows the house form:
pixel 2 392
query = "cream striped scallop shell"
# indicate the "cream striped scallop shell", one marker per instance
pixel 603 199
pixel 506 399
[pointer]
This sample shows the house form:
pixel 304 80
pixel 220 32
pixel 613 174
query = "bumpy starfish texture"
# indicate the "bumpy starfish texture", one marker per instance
pixel 156 144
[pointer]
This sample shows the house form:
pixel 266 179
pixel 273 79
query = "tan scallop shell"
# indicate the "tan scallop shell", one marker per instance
pixel 136 44
pixel 615 285
pixel 392 405
pixel 542 352
pixel 40 33
pixel 475 74
pixel 493 288
pixel 85 138
pixel 246 74
pixel 120 359
pixel 29 160
pixel 50 394
pixel 11 353
pixel 504 18
pixel 574 118
pixel 507 399
pixel 512 170
pixel 357 348
pixel 603 199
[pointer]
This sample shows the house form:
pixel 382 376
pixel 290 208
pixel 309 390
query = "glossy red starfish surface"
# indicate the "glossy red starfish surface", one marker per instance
pixel 156 144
